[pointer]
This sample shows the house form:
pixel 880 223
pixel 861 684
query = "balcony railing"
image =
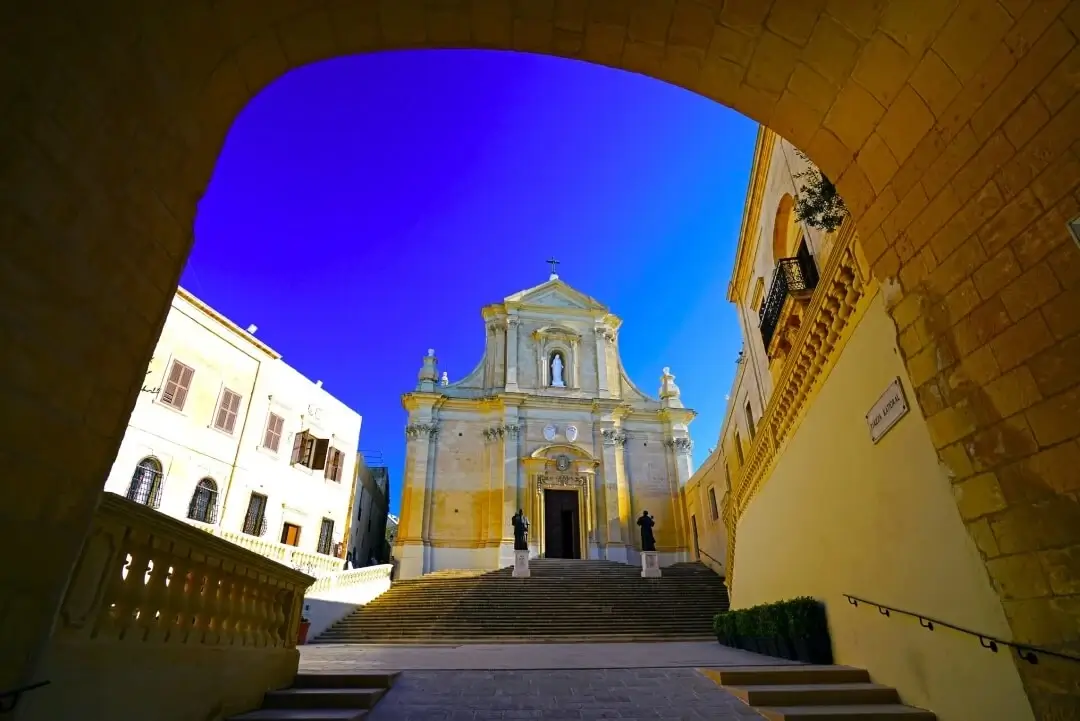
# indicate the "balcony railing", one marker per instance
pixel 792 276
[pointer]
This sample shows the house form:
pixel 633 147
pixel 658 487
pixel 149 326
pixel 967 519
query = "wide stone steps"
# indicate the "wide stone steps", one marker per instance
pixel 815 693
pixel 561 601
pixel 322 697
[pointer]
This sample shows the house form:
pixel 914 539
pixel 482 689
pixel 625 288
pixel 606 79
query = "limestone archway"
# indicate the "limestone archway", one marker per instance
pixel 785 231
pixel 950 129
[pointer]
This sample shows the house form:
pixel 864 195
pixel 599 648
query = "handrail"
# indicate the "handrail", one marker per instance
pixel 10 699
pixel 1025 651
pixel 703 553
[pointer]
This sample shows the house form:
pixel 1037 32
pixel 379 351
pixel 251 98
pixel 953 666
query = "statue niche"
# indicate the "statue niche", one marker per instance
pixel 557 368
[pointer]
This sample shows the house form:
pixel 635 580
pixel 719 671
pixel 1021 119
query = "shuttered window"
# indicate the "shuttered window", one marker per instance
pixel 334 463
pixel 255 519
pixel 177 385
pixel 228 408
pixel 272 437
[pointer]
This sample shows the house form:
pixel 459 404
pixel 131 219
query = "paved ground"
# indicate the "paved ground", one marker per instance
pixel 676 693
pixel 549 681
pixel 558 656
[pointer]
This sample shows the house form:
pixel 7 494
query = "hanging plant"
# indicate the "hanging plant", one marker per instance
pixel 819 205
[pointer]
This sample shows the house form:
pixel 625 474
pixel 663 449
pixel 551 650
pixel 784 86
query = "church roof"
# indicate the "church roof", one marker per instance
pixel 557 294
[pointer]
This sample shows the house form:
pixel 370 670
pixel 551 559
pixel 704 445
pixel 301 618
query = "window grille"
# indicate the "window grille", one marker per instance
pixel 255 519
pixel 326 537
pixel 146 482
pixel 203 506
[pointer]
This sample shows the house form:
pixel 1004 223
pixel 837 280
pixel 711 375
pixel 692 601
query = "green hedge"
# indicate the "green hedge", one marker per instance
pixel 796 629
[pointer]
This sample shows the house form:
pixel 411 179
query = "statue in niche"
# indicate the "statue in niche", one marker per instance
pixel 521 531
pixel 557 380
pixel 648 541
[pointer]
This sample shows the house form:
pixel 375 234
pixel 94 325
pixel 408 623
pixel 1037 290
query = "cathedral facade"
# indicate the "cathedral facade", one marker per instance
pixel 548 422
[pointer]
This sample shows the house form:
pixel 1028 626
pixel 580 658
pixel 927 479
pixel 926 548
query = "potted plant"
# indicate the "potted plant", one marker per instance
pixel 774 624
pixel 746 626
pixel 808 629
pixel 302 632
pixel 724 627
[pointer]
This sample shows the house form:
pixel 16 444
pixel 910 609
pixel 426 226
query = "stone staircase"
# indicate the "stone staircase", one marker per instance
pixel 562 601
pixel 323 697
pixel 815 693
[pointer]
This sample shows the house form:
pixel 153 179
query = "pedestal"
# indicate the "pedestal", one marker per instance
pixel 521 564
pixel 650 564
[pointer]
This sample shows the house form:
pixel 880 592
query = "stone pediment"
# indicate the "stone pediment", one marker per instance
pixel 555 294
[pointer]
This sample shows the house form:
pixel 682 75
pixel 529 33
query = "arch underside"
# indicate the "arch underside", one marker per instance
pixel 951 130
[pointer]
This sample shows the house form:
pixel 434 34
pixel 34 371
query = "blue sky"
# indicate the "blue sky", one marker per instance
pixel 364 209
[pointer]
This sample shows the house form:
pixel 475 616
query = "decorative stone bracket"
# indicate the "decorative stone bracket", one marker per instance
pixel 416 431
pixel 509 430
pixel 680 445
pixel 614 437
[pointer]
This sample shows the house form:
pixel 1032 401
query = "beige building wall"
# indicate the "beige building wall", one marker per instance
pixel 239 459
pixel 499 439
pixel 821 509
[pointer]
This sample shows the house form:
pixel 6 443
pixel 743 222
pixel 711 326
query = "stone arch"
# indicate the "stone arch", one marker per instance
pixel 785 229
pixel 551 450
pixel 950 129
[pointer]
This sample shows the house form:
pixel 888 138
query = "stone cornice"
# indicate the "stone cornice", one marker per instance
pixel 418 399
pixel 759 176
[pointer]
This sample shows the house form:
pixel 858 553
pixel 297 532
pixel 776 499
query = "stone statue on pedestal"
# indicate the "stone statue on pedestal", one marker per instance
pixel 521 531
pixel 648 541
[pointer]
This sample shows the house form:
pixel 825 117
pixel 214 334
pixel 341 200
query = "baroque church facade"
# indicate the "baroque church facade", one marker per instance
pixel 548 422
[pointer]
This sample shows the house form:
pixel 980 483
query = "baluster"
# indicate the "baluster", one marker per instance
pixel 178 602
pixel 154 607
pixel 214 604
pixel 132 602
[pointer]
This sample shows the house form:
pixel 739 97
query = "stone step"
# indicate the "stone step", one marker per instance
pixel 354 698
pixel 883 712
pixel 786 674
pixel 516 639
pixel 301 714
pixel 345 680
pixel 815 694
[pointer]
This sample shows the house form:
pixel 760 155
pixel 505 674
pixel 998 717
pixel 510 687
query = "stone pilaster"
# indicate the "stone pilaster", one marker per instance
pixel 512 343
pixel 414 528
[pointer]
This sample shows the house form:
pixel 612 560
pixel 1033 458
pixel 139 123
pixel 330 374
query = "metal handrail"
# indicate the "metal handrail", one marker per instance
pixel 10 699
pixel 1024 650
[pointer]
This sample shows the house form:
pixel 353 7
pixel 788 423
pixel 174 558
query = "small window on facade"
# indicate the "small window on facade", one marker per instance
pixel 145 486
pixel 290 534
pixel 712 503
pixel 727 477
pixel 203 506
pixel 255 518
pixel 228 408
pixel 750 419
pixel 310 451
pixel 326 537
pixel 272 437
pixel 334 463
pixel 738 449
pixel 177 385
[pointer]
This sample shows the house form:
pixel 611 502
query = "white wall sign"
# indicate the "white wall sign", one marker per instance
pixel 889 408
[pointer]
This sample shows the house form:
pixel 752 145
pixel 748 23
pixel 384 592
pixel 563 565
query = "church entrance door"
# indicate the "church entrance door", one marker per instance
pixel 562 537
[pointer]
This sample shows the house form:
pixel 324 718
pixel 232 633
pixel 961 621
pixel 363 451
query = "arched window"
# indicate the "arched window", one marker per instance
pixel 557 370
pixel 203 506
pixel 145 487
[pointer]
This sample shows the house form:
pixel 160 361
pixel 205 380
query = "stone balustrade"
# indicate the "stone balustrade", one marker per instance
pixel 336 595
pixel 161 620
pixel 314 564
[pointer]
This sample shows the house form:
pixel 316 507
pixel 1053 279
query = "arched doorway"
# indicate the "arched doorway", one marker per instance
pixel 950 129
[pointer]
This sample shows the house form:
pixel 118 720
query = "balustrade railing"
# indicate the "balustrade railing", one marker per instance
pixel 792 275
pixel 146 577
pixel 313 564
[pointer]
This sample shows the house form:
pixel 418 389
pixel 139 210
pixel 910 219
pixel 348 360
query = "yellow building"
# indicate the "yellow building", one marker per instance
pixel 229 438
pixel 548 422
pixel 836 488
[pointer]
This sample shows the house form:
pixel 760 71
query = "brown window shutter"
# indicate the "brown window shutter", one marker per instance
pixel 298 446
pixel 182 386
pixel 339 463
pixel 168 393
pixel 318 459
pixel 232 406
pixel 272 437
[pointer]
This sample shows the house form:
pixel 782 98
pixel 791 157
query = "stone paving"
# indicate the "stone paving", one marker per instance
pixel 550 681
pixel 559 656
pixel 673 693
